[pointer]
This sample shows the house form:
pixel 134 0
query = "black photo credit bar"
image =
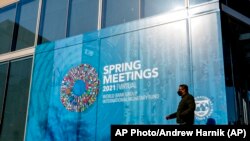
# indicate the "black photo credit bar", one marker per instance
pixel 225 132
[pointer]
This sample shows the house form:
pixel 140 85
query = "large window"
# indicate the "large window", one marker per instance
pixel 18 25
pixel 3 81
pixel 153 7
pixel 53 20
pixel 119 11
pixel 59 19
pixel 16 98
pixel 65 18
pixel 83 16
pixel 194 2
pixel 7 22
pixel 26 23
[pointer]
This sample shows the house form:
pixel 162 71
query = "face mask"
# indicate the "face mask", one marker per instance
pixel 179 93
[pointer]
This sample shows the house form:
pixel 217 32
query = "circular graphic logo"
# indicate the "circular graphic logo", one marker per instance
pixel 79 88
pixel 204 107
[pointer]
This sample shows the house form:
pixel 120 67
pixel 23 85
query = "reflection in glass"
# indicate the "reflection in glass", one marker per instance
pixel 53 21
pixel 3 76
pixel 7 22
pixel 27 23
pixel 153 7
pixel 194 2
pixel 119 11
pixel 83 16
pixel 16 101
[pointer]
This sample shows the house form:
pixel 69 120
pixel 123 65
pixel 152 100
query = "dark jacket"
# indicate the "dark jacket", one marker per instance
pixel 185 111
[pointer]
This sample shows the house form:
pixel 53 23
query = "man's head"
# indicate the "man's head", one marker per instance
pixel 183 89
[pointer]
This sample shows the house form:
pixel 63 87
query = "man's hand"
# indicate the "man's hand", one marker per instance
pixel 168 117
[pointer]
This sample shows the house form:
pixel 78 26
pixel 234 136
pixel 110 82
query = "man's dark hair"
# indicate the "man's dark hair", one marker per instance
pixel 184 86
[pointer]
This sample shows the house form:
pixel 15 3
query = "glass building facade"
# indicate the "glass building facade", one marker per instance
pixel 28 23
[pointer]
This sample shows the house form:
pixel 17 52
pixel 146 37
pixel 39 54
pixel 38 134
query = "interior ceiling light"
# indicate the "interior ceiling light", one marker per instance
pixel 4 3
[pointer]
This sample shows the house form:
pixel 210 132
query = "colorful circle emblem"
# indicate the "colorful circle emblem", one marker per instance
pixel 204 107
pixel 79 88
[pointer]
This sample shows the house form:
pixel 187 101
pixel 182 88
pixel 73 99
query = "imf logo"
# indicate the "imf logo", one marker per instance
pixel 204 107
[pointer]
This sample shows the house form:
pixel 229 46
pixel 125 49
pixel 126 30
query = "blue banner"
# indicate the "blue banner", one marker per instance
pixel 125 74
